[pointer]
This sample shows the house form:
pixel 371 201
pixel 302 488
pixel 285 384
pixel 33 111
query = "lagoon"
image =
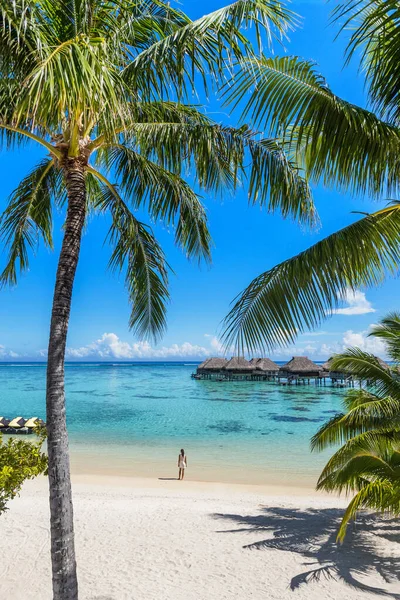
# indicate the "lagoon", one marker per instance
pixel 132 419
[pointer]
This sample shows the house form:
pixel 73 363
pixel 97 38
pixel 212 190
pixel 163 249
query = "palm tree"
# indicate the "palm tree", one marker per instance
pixel 368 462
pixel 338 144
pixel 103 87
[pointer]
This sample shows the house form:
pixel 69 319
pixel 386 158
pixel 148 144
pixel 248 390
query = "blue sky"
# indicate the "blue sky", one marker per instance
pixel 247 241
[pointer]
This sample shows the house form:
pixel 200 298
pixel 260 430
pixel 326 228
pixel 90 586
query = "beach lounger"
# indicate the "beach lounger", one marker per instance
pixel 17 423
pixel 32 422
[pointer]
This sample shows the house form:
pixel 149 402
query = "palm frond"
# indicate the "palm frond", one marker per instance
pixel 388 330
pixel 166 196
pixel 216 155
pixel 366 367
pixel 367 412
pixel 28 216
pixel 374 495
pixel 301 292
pixel 138 253
pixel 337 142
pixel 375 26
pixel 205 47
pixel 378 443
pixel 78 73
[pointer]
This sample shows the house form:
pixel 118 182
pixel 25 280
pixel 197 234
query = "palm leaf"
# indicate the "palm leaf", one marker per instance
pixel 366 367
pixel 374 495
pixel 138 253
pixel 337 142
pixel 378 443
pixel 205 47
pixel 166 196
pixel 366 411
pixel 388 330
pixel 301 292
pixel 375 26
pixel 216 154
pixel 28 216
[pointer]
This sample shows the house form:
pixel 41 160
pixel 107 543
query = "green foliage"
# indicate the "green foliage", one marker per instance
pixel 337 144
pixel 368 462
pixel 299 293
pixel 108 83
pixel 19 460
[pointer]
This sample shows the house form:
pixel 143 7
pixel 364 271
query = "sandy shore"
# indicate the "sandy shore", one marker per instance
pixel 156 539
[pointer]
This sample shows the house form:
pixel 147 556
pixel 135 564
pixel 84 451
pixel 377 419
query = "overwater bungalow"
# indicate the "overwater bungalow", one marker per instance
pixel 264 368
pixel 201 369
pixel 337 377
pixel 383 364
pixel 343 378
pixel 238 367
pixel 300 369
pixel 210 368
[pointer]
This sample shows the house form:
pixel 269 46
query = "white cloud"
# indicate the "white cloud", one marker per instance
pixel 349 338
pixel 361 340
pixel 110 346
pixel 6 353
pixel 357 304
pixel 321 332
pixel 215 344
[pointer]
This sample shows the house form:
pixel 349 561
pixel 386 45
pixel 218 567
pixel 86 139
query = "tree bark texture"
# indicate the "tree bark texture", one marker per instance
pixel 65 585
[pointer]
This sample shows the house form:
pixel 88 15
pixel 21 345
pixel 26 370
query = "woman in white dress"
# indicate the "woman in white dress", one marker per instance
pixel 182 464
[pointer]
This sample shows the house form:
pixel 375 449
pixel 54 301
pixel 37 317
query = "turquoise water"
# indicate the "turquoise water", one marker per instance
pixel 137 416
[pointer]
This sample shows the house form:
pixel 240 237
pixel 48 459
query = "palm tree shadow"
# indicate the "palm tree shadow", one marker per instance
pixel 312 533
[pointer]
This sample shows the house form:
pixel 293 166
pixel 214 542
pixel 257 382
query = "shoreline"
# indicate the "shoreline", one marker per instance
pixel 89 465
pixel 171 484
pixel 136 462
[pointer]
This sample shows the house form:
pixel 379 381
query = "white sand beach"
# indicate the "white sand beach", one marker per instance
pixel 144 539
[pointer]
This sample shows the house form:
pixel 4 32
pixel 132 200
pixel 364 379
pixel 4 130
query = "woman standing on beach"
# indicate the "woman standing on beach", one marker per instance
pixel 182 464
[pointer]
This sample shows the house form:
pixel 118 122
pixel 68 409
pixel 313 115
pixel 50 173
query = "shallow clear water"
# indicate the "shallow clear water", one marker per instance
pixel 144 413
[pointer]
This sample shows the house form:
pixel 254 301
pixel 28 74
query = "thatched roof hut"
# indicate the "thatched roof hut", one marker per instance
pixel 301 365
pixel 264 364
pixel 327 365
pixel 238 364
pixel 214 364
pixel 203 365
pixel 382 363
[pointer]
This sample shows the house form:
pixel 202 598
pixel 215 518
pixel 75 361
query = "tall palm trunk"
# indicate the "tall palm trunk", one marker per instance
pixel 65 585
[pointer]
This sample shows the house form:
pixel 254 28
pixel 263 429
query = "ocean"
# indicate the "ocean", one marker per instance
pixel 133 418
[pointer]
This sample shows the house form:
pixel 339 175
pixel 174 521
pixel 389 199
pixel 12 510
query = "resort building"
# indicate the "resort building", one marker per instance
pixel 264 368
pixel 342 378
pixel 337 377
pixel 238 367
pixel 210 367
pixel 300 369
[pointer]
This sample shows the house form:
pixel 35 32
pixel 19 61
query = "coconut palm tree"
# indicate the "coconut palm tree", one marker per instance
pixel 103 87
pixel 368 462
pixel 338 144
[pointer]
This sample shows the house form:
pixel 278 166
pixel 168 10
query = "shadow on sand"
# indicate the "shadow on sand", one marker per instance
pixel 312 533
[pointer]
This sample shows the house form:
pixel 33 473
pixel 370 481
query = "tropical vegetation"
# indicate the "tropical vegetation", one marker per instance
pixel 20 460
pixel 338 144
pixel 106 88
pixel 367 464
